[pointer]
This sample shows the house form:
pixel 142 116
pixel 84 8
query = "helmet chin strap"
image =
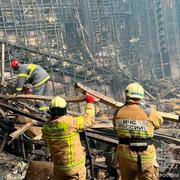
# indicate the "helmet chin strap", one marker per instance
pixel 133 101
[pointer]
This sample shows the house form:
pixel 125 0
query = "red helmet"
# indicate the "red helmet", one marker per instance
pixel 14 63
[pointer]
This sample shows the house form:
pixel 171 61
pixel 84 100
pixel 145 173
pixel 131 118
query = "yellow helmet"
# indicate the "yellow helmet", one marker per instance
pixel 135 90
pixel 57 102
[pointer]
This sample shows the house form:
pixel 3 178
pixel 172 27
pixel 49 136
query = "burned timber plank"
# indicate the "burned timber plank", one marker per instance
pixel 45 98
pixel 2 113
pixel 104 99
pixel 102 138
pixel 109 101
pixel 166 138
pixel 108 135
pixel 170 117
pixel 18 132
pixel 27 114
pixel 4 141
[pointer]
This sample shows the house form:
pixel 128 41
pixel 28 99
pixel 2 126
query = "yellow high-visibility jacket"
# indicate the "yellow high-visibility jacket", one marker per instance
pixel 132 122
pixel 62 137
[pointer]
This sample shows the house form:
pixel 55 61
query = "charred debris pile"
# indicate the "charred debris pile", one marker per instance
pixel 20 128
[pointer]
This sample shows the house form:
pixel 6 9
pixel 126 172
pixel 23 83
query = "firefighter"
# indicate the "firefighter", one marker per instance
pixel 135 123
pixel 35 75
pixel 61 133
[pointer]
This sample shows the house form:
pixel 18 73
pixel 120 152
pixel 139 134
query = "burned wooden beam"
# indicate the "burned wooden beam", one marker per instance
pixel 2 113
pixel 102 138
pixel 19 131
pixel 166 138
pixel 4 141
pixel 17 111
pixel 104 99
pixel 109 136
pixel 170 117
pixel 173 100
pixel 109 101
pixel 45 98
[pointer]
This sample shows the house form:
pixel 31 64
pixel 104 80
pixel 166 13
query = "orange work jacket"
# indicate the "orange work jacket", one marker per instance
pixel 132 122
pixel 62 137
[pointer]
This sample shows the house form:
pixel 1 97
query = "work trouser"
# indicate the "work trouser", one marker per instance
pixel 43 89
pixel 129 170
pixel 74 174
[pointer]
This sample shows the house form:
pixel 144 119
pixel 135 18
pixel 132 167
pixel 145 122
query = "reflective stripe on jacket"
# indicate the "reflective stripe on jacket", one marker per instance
pixel 131 121
pixel 62 137
pixel 32 74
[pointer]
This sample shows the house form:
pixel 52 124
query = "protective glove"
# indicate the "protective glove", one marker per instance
pixel 26 90
pixel 90 99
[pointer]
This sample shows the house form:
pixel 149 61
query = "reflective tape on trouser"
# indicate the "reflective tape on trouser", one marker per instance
pixel 43 108
pixel 71 166
pixel 41 105
pixel 18 89
pixel 76 173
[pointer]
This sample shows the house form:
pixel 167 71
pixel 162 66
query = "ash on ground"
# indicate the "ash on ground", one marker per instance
pixel 12 167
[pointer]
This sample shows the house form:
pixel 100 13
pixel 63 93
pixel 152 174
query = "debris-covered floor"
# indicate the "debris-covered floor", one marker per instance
pixel 12 167
pixel 25 137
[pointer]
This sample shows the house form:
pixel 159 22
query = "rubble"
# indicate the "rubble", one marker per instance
pixel 31 146
pixel 103 45
pixel 12 167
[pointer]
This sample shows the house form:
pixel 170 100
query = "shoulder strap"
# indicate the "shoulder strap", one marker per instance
pixel 146 108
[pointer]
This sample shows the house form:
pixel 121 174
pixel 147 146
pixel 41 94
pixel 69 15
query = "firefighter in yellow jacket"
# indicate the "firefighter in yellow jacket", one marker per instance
pixel 135 123
pixel 61 133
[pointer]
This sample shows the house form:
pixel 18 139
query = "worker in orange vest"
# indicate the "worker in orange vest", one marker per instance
pixel 61 133
pixel 135 123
